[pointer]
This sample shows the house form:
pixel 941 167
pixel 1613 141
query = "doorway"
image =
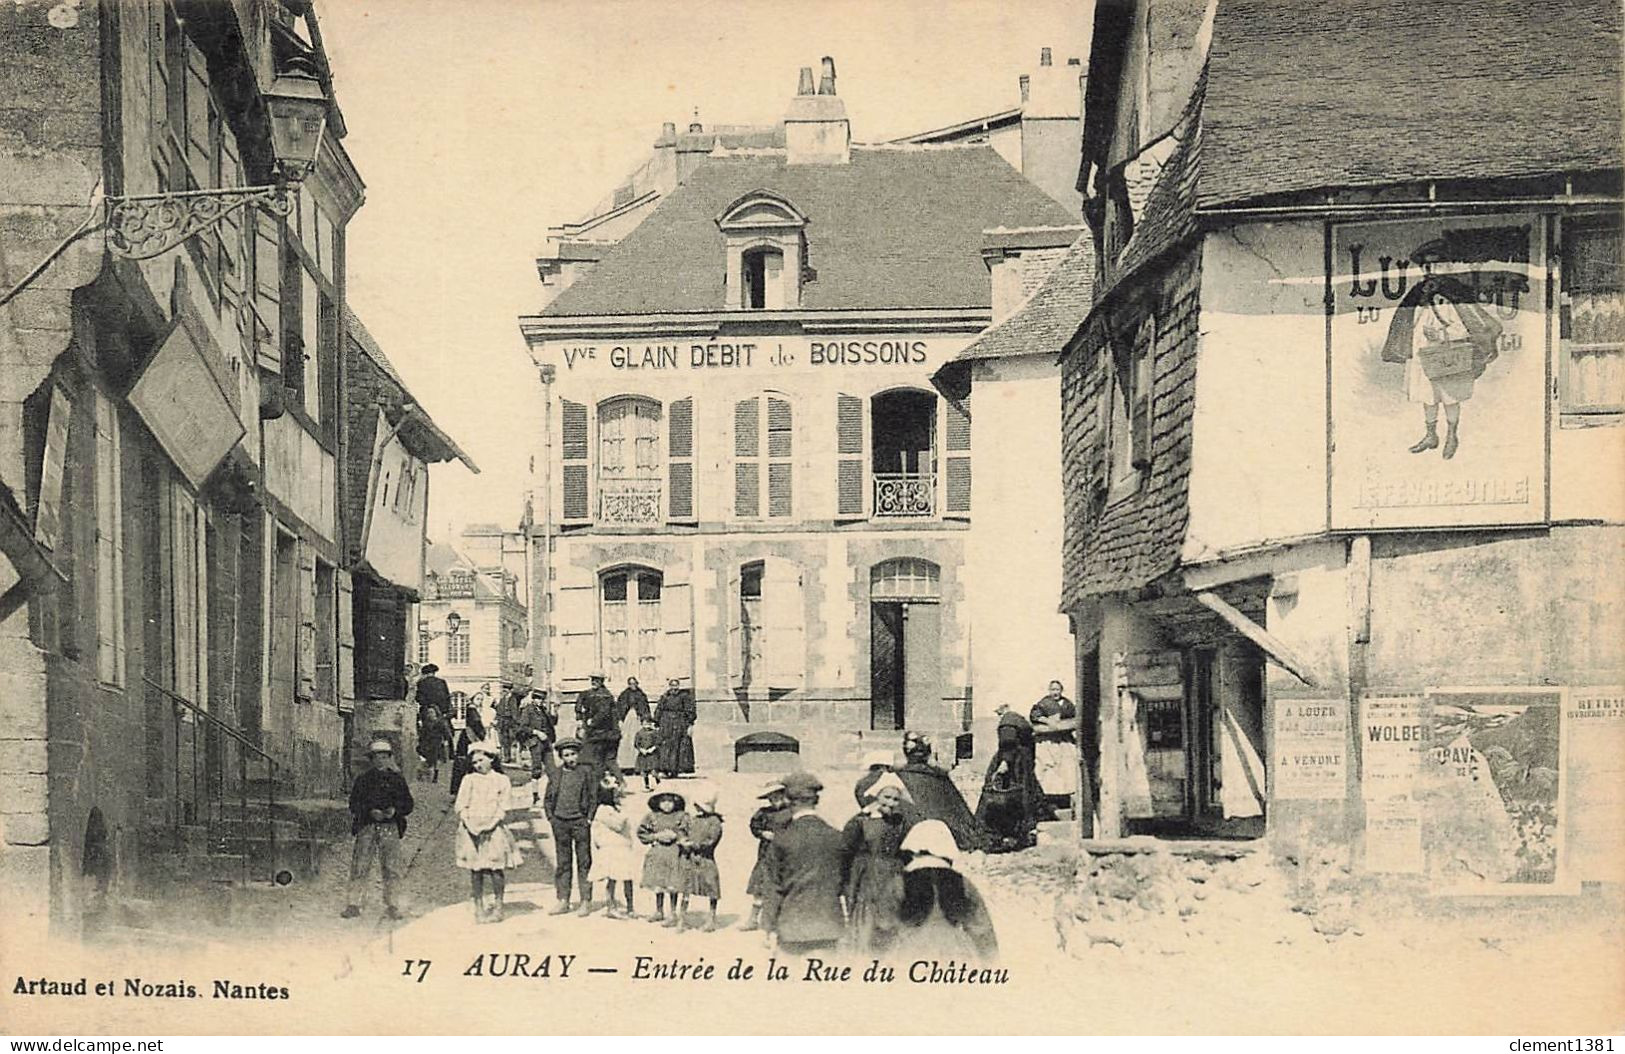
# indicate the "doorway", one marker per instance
pixel 905 642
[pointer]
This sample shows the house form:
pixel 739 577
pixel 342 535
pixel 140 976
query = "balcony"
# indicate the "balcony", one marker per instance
pixel 905 495
pixel 628 502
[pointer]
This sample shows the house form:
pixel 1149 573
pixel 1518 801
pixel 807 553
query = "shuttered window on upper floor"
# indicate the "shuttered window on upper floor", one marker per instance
pixel 850 456
pixel 575 451
pixel 956 467
pixel 680 460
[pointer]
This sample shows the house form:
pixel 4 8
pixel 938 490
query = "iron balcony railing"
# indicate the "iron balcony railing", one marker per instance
pixel 632 502
pixel 209 800
pixel 905 494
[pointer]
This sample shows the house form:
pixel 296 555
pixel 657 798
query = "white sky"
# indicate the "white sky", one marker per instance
pixel 476 124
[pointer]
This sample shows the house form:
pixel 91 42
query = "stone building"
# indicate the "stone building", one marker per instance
pixel 746 455
pixel 171 385
pixel 1342 430
pixel 471 621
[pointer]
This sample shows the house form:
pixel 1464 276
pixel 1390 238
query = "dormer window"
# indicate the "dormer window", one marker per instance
pixel 765 240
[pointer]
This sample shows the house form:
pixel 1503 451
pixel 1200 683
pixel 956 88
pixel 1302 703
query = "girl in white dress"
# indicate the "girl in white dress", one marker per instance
pixel 614 852
pixel 484 845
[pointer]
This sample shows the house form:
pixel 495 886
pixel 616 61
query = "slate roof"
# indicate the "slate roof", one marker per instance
pixel 899 227
pixel 441 446
pixel 1304 96
pixel 1050 317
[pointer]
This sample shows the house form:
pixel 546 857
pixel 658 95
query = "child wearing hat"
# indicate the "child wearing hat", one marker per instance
pixel 766 822
pixel 647 745
pixel 663 826
pixel 380 801
pixel 484 845
pixel 614 857
pixel 699 857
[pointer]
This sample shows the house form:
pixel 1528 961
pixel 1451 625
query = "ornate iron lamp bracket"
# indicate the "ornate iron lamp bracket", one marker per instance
pixel 142 226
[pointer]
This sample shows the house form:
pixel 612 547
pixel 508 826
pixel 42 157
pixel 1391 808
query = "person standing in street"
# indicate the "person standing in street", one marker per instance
pixel 765 825
pixel 507 710
pixel 434 742
pixel 633 710
pixel 872 865
pixel 600 725
pixel 935 795
pixel 380 802
pixel 674 718
pixel 432 691
pixel 484 845
pixel 570 803
pixel 537 733
pixel 1055 740
pixel 802 911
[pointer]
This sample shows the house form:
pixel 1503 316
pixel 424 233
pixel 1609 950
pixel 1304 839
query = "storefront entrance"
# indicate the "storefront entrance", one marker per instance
pixel 905 642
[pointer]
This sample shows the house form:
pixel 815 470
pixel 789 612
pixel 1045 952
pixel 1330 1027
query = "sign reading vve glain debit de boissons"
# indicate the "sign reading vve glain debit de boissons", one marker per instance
pixel 770 354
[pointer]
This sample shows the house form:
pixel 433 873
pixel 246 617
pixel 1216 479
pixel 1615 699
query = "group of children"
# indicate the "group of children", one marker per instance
pixel 679 862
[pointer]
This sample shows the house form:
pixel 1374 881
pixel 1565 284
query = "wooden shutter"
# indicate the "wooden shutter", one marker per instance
pixel 736 633
pixel 383 651
pixel 574 453
pixel 306 655
pixel 575 621
pixel 677 626
pixel 849 448
pixel 956 467
pixel 327 365
pixel 680 460
pixel 780 446
pixel 784 643
pixel 747 454
pixel 346 615
pixel 266 246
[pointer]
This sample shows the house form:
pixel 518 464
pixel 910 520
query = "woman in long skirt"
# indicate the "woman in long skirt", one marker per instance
pixel 942 915
pixel 1012 802
pixel 484 845
pixel 674 716
pixel 872 865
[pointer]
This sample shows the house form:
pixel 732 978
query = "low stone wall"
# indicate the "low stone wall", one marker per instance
pixel 1148 895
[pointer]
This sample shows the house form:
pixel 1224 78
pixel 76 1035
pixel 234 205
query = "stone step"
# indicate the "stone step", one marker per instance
pixel 1058 832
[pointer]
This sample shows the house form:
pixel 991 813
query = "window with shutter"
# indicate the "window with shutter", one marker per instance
pixel 1140 394
pixel 956 468
pixel 306 658
pixel 780 466
pixel 327 352
pixel 747 457
pixel 1592 323
pixel 109 545
pixel 849 448
pixel 783 649
pixel 346 624
pixel 680 460
pixel 265 246
pixel 189 590
pixel 383 648
pixel 574 453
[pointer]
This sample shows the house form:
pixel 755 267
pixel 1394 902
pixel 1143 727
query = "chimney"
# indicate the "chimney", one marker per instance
pixel 1044 57
pixel 1026 83
pixel 816 130
pixel 826 83
pixel 1051 90
pixel 1074 62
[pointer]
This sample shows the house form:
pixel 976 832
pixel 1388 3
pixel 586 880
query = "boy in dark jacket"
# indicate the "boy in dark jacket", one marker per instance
pixel 765 824
pixel 380 802
pixel 802 910
pixel 570 801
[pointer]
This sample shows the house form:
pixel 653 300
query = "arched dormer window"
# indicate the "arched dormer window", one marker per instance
pixel 765 238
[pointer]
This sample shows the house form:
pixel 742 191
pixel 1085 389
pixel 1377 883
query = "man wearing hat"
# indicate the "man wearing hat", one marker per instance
pixel 537 731
pixel 380 802
pixel 802 909
pixel 600 725
pixel 570 801
pixel 432 691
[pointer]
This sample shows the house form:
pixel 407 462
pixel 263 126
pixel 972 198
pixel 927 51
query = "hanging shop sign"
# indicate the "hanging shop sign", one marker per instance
pixel 1437 415
pixel 182 402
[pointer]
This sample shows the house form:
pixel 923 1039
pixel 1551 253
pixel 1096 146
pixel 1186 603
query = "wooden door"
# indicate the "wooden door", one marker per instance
pixel 886 665
pixel 922 662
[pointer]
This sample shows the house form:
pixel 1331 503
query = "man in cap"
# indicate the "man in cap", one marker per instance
pixel 600 725
pixel 802 907
pixel 570 801
pixel 380 801
pixel 537 731
pixel 432 691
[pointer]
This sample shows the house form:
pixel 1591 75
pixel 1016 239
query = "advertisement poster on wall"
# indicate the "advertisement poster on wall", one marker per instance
pixel 1595 790
pixel 1438 372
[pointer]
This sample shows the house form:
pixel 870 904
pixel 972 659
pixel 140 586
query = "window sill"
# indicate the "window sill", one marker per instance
pixel 1598 419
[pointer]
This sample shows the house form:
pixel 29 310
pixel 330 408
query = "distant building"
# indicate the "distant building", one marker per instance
pixel 483 647
pixel 748 459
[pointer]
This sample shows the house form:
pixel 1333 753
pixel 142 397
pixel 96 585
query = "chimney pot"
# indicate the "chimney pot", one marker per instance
pixel 668 130
pixel 1026 86
pixel 1074 62
pixel 826 85
pixel 806 85
pixel 1045 57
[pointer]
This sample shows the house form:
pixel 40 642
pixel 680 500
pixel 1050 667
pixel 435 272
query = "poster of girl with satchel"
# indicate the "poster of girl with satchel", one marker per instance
pixel 1431 317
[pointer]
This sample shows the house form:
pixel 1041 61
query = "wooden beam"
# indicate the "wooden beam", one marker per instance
pixel 1272 646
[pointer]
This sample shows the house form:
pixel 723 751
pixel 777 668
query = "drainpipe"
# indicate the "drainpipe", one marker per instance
pixel 539 609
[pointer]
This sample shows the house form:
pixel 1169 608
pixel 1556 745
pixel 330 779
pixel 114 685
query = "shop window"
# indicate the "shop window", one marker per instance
pixel 764 443
pixel 110 655
pixel 1592 368
pixel 766 630
pixel 630 619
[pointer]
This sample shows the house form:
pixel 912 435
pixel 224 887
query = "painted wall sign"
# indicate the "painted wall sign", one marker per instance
pixel 181 401
pixel 1438 371
pixel 769 354
pixel 1311 750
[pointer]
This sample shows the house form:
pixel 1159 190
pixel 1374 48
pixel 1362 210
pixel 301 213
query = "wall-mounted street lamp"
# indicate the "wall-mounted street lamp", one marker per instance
pixel 142 226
